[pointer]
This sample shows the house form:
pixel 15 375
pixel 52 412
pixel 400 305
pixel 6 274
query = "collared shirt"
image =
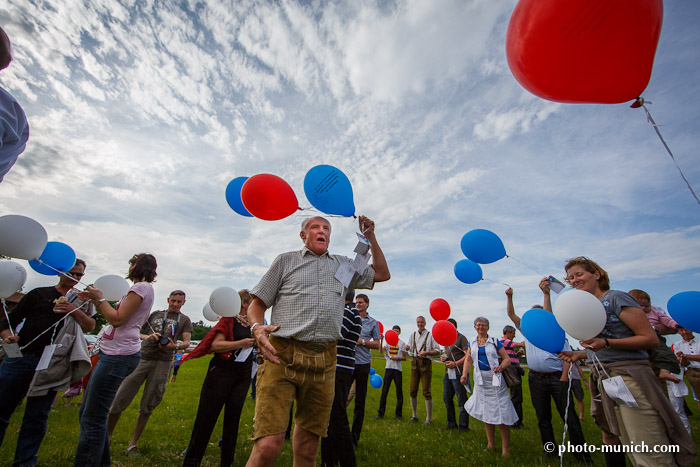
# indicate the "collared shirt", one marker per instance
pixel 370 330
pixel 541 360
pixel 657 315
pixel 350 332
pixel 510 350
pixel 394 351
pixel 691 347
pixel 421 342
pixel 307 300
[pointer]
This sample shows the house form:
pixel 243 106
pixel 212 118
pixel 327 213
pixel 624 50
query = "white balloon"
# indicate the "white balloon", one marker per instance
pixel 113 287
pixel 580 314
pixel 21 237
pixel 225 302
pixel 12 278
pixel 209 314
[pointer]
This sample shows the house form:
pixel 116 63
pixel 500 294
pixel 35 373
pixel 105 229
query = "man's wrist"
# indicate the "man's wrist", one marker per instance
pixel 252 329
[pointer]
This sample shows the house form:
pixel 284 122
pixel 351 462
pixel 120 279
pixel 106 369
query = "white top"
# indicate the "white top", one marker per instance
pixel 688 348
pixel 391 351
pixel 417 340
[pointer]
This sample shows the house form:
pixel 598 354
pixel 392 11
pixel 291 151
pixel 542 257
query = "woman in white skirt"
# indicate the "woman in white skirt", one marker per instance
pixel 490 402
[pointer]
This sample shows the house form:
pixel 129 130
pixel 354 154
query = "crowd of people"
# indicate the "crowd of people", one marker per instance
pixel 314 353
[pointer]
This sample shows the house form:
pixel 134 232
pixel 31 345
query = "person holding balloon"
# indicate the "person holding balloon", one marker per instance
pixel 41 310
pixel 394 353
pixel 299 344
pixel 618 355
pixel 490 402
pixel 119 355
pixel 453 357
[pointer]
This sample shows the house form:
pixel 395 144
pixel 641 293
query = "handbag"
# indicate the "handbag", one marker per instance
pixel 512 376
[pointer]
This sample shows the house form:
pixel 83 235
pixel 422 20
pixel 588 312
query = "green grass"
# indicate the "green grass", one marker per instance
pixel 384 442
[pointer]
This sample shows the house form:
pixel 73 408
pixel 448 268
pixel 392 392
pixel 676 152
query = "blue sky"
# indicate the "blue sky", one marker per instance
pixel 142 112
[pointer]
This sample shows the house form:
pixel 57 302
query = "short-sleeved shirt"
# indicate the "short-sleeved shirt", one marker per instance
pixel 418 342
pixel 483 360
pixel 307 300
pixel 691 347
pixel 370 330
pixel 350 332
pixel 125 340
pixel 510 350
pixel 394 351
pixel 613 302
pixel 36 309
pixel 149 348
pixel 14 131
pixel 456 351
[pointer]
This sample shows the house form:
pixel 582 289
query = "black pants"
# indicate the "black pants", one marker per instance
pixel 389 376
pixel 223 386
pixel 360 376
pixel 516 397
pixel 542 388
pixel 337 448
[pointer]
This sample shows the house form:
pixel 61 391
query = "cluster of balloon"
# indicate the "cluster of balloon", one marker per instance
pixel 542 330
pixel 113 287
pixel 391 338
pixel 329 191
pixel 684 307
pixel 12 278
pixel 209 314
pixel 580 314
pixel 480 246
pixel 225 302
pixel 270 198
pixel 56 258
pixel 21 237
pixel 444 332
pixel 584 51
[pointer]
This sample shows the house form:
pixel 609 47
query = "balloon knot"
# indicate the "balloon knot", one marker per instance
pixel 637 103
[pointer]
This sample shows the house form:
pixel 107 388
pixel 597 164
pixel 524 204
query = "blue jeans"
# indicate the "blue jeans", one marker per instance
pixel 15 377
pixel 93 446
pixel 450 387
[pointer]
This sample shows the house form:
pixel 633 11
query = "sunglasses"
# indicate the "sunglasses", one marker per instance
pixel 76 275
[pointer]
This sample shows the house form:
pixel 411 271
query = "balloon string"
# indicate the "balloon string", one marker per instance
pixel 526 265
pixel 495 282
pixel 640 103
pixel 54 324
pixel 9 324
pixel 62 273
pixel 325 214
pixel 566 415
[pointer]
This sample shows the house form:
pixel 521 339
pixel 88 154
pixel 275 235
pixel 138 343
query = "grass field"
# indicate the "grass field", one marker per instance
pixel 384 442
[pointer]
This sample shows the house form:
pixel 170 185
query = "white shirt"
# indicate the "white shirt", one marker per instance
pixel 688 348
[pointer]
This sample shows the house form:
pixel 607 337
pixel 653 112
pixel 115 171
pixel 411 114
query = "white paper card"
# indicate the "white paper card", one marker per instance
pixel 12 350
pixel 345 273
pixel 451 373
pixel 360 262
pixel 496 380
pixel 361 248
pixel 469 390
pixel 362 238
pixel 617 390
pixel 46 357
pixel 243 354
pixel 554 285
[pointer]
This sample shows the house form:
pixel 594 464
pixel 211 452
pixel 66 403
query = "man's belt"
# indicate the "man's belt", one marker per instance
pixel 551 374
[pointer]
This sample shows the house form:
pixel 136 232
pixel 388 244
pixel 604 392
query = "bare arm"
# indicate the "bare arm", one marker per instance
pixel 644 335
pixel 221 345
pixel 544 286
pixel 381 268
pixel 505 360
pixel 114 317
pixel 256 314
pixel 467 366
pixel 510 309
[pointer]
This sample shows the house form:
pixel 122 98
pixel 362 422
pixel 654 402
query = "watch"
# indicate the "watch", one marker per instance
pixel 100 301
pixel 607 343
pixel 252 326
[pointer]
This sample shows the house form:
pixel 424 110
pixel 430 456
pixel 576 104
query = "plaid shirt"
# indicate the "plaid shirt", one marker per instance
pixel 307 300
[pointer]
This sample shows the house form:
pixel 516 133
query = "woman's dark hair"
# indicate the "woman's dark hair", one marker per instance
pixel 143 267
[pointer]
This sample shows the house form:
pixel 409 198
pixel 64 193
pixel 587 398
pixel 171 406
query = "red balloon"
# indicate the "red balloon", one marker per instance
pixel 268 197
pixel 381 327
pixel 584 51
pixel 391 337
pixel 439 309
pixel 444 333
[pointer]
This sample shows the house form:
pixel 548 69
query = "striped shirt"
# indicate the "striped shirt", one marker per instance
pixel 510 350
pixel 307 300
pixel 350 332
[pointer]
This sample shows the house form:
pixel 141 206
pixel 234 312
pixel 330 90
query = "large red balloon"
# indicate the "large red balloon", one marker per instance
pixel 381 327
pixel 444 333
pixel 584 51
pixel 391 337
pixel 439 309
pixel 268 197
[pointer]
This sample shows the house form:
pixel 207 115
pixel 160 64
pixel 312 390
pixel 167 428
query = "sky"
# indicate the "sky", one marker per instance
pixel 140 114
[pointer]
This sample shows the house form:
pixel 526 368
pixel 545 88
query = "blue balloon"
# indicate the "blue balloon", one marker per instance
pixel 482 246
pixel 468 271
pixel 684 307
pixel 372 371
pixel 376 381
pixel 329 191
pixel 540 327
pixel 57 255
pixel 233 196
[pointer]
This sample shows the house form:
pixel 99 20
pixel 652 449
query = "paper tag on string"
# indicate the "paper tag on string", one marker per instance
pixel 496 380
pixel 363 239
pixel 360 262
pixel 469 390
pixel 618 391
pixel 361 248
pixel 46 357
pixel 12 350
pixel 345 273
pixel 243 354
pixel 554 285
pixel 451 373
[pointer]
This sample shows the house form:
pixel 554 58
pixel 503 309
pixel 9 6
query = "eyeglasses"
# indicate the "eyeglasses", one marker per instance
pixel 76 275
